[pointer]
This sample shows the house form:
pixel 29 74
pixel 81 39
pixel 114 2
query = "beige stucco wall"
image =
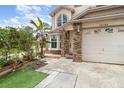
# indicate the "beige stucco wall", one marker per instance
pixel 80 9
pixel 68 13
pixel 102 23
pixel 62 11
pixel 69 27
pixel 106 12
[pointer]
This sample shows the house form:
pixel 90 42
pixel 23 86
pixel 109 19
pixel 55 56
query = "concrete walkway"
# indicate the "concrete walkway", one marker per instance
pixel 58 79
pixel 63 73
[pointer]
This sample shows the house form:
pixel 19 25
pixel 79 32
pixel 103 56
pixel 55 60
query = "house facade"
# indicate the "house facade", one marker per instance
pixel 88 33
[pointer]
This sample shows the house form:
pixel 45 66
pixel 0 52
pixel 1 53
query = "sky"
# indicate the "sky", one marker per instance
pixel 12 15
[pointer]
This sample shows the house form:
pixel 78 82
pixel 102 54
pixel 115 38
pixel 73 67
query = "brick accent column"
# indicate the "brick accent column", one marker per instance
pixel 67 42
pixel 77 54
pixel 64 42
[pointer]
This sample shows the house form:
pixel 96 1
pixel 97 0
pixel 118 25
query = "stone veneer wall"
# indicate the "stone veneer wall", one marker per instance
pixel 54 51
pixel 67 42
pixel 64 42
pixel 77 55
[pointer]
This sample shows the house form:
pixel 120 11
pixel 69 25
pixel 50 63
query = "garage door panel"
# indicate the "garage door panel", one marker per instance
pixel 103 46
pixel 91 58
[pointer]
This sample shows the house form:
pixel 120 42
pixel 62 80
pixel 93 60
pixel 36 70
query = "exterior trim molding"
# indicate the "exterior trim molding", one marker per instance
pixel 61 7
pixel 95 9
pixel 100 18
pixel 102 27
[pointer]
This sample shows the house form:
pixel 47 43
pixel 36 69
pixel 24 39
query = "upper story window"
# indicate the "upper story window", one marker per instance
pixel 61 19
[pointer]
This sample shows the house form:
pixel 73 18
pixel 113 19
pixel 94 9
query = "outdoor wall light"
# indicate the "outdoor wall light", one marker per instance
pixel 78 28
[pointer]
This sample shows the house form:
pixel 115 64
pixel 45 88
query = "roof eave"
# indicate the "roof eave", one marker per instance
pixel 57 9
pixel 100 18
pixel 94 9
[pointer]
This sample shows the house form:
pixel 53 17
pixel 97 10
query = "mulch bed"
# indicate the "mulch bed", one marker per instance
pixel 9 68
pixel 35 64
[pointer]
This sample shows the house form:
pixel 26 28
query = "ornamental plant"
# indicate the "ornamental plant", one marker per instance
pixel 26 41
pixel 41 37
pixel 14 39
pixel 8 41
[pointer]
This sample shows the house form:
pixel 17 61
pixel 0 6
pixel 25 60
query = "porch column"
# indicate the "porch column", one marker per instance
pixel 64 42
pixel 77 54
pixel 67 42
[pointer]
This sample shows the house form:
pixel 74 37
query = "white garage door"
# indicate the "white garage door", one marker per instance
pixel 103 45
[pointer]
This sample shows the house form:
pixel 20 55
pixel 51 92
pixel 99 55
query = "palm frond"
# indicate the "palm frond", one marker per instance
pixel 45 28
pixel 41 26
pixel 33 23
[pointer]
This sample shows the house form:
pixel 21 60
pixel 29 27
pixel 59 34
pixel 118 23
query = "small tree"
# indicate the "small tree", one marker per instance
pixel 7 41
pixel 41 38
pixel 25 41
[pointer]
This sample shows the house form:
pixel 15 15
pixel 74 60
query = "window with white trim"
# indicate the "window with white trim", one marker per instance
pixel 53 41
pixel 61 20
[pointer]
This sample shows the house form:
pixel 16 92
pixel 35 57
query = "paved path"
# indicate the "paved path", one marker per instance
pixel 58 79
pixel 65 73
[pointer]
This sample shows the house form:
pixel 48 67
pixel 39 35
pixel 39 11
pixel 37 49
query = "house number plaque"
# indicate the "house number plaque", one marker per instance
pixel 103 25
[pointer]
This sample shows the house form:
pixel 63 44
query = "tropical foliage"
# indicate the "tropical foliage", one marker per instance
pixel 14 39
pixel 41 36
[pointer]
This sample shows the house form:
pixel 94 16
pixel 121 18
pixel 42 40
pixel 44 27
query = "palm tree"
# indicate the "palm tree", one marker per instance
pixel 41 38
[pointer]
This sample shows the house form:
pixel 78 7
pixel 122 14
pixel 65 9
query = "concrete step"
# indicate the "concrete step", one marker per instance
pixel 68 56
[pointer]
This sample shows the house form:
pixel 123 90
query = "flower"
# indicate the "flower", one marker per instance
pixel 41 38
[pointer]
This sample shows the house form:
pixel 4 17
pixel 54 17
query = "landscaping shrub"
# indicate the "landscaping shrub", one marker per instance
pixel 4 63
pixel 12 42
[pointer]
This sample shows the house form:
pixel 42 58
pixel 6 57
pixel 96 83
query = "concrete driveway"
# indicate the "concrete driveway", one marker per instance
pixel 65 73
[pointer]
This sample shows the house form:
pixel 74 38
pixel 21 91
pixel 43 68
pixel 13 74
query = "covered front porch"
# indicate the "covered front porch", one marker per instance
pixel 66 41
pixel 71 38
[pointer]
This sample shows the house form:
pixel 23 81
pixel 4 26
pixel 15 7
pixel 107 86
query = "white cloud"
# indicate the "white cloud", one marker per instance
pixel 23 9
pixel 15 20
pixel 26 13
pixel 31 12
pixel 11 21
pixel 36 8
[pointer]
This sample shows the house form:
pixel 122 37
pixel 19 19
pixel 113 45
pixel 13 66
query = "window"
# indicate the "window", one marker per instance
pixel 53 41
pixel 61 20
pixel 64 19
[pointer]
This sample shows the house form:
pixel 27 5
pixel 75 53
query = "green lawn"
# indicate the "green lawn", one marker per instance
pixel 25 78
